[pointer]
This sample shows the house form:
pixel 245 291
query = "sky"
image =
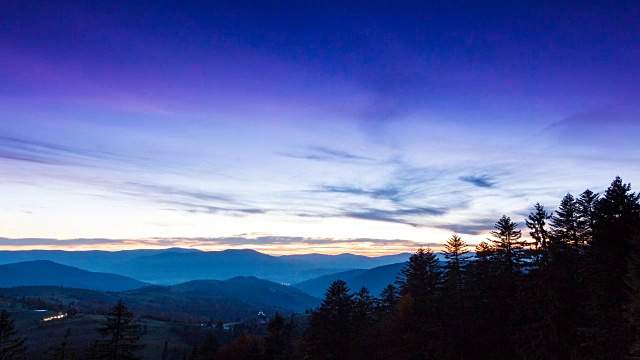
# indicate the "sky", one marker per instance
pixel 303 127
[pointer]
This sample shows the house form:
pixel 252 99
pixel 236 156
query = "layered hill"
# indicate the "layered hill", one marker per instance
pixel 190 302
pixel 44 272
pixel 374 280
pixel 173 266
pixel 92 260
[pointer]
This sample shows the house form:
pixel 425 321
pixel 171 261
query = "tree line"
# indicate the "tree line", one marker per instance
pixel 570 292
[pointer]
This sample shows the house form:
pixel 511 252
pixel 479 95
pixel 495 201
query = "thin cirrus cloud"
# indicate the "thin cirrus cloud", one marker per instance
pixel 482 181
pixel 321 153
pixel 395 216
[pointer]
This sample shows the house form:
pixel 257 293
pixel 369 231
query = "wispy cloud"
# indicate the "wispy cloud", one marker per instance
pixel 321 153
pixel 188 200
pixel 391 193
pixel 43 152
pixel 209 209
pixel 483 181
pixel 469 227
pixel 155 190
pixel 395 216
pixel 49 153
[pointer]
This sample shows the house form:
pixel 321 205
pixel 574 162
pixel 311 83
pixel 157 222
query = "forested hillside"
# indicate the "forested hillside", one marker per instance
pixel 573 292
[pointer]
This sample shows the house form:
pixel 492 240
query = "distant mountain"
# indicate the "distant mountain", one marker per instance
pixel 172 266
pixel 318 286
pixel 94 260
pixel 376 279
pixel 373 279
pixel 44 272
pixel 347 261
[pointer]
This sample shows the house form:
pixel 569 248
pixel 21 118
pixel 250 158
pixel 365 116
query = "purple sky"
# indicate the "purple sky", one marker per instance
pixel 297 128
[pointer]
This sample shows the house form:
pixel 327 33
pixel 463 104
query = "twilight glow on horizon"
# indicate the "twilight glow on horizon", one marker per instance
pixel 298 128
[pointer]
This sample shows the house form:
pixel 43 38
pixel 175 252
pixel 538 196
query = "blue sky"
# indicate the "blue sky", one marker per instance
pixel 299 128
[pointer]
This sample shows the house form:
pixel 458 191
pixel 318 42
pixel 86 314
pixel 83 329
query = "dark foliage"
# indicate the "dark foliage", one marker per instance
pixel 11 346
pixel 572 292
pixel 122 335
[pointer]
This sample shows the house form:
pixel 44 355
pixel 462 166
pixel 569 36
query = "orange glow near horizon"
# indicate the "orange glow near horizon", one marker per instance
pixel 303 246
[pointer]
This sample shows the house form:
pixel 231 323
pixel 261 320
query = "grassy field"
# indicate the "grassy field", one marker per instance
pixel 41 337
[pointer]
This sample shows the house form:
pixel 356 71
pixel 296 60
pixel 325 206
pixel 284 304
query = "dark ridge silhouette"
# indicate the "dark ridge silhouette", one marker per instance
pixel 44 272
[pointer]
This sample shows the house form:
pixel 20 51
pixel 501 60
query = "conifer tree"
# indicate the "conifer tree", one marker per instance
pixel 565 225
pixel 122 335
pixel 587 215
pixel 420 284
pixel 209 348
pixel 388 299
pixel 508 252
pixel 617 222
pixel 456 253
pixel 363 310
pixel 421 276
pixel 63 352
pixel 278 344
pixel 537 223
pixel 11 347
pixel 329 333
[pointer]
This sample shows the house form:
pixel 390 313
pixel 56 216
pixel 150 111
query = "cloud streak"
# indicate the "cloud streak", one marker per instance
pixel 321 153
pixel 395 216
pixel 483 181
pixel 390 193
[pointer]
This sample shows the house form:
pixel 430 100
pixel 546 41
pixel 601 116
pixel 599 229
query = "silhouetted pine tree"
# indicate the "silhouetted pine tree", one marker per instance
pixel 122 333
pixel 565 225
pixel 419 284
pixel 278 344
pixel 455 297
pixel 508 256
pixel 11 347
pixel 62 352
pixel 209 348
pixel 537 223
pixel 388 299
pixel 362 316
pixel 421 276
pixel 508 251
pixel 329 334
pixel 587 215
pixel 616 223
pixel 457 258
pixel 363 319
